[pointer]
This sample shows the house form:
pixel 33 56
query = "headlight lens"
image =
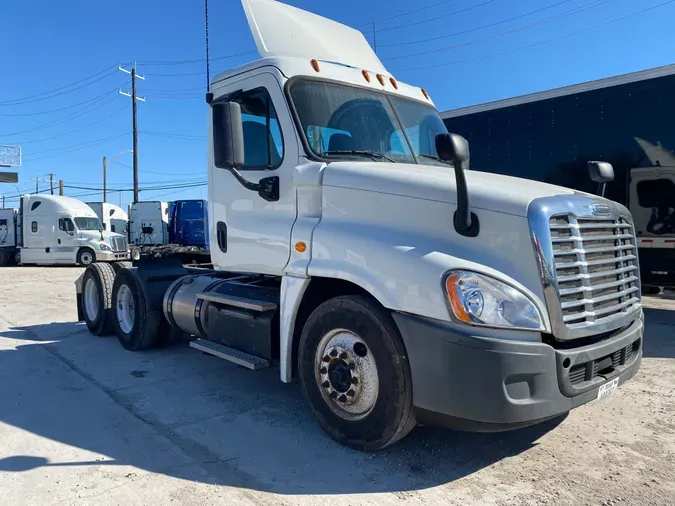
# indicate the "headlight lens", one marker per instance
pixel 481 300
pixel 105 247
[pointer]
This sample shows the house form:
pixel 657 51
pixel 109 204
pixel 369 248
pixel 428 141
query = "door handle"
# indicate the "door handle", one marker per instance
pixel 221 234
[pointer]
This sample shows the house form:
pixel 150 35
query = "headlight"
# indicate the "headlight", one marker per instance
pixel 477 299
pixel 105 247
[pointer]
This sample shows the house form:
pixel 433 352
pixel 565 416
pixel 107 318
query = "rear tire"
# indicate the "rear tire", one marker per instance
pixel 364 410
pixel 97 285
pixel 136 325
pixel 86 256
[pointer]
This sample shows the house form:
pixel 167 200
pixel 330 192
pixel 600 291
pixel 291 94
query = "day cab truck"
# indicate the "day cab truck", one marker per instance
pixel 353 250
pixel 56 230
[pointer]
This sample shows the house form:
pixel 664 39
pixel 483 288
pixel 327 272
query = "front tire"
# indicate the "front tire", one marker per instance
pixel 97 285
pixel 355 374
pixel 86 256
pixel 136 325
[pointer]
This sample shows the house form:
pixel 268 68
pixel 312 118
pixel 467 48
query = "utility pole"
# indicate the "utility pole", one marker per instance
pixel 37 185
pixel 105 161
pixel 134 120
pixel 51 183
pixel 61 187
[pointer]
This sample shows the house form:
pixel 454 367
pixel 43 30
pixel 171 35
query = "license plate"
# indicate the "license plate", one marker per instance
pixel 607 389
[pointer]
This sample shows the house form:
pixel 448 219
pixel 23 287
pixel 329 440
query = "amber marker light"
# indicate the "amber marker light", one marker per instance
pixel 366 75
pixel 300 247
pixel 315 65
pixel 453 286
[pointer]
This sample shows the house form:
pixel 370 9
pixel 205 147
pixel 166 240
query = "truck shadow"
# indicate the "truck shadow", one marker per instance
pixel 183 414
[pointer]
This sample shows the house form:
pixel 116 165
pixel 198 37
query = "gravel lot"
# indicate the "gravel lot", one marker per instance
pixel 83 421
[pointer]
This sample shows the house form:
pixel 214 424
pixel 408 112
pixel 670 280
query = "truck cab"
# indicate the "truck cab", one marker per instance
pixel 352 248
pixel 189 223
pixel 64 230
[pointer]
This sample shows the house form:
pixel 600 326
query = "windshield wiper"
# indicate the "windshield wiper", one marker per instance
pixel 372 154
pixel 432 157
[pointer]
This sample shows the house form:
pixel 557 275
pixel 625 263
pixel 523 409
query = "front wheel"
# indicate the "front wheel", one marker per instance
pixel 86 257
pixel 355 374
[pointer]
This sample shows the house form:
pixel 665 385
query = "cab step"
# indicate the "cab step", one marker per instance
pixel 239 302
pixel 230 354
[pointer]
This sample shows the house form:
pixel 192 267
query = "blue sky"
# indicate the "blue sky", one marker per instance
pixel 475 55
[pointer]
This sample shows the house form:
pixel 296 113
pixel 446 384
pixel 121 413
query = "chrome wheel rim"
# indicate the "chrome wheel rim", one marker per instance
pixel 125 311
pixel 346 374
pixel 91 299
pixel 86 258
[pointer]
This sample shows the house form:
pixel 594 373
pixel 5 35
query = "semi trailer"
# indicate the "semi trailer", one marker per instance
pixel 56 230
pixel 351 250
pixel 549 136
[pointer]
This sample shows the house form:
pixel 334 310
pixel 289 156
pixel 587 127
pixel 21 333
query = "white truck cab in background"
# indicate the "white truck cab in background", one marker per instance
pixel 351 248
pixel 149 223
pixel 113 218
pixel 51 230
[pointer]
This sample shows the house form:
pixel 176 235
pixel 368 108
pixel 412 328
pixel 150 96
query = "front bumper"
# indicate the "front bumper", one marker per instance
pixel 463 378
pixel 112 256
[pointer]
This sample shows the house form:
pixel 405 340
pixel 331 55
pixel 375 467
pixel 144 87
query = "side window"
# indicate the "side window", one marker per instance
pixel 35 205
pixel 62 224
pixel 34 226
pixel 66 225
pixel 263 143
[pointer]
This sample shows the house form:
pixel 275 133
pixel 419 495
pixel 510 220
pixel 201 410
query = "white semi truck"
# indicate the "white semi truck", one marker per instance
pixel 56 230
pixel 113 218
pixel 353 251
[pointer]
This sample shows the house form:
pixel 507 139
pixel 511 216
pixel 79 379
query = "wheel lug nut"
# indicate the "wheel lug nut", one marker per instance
pixel 325 384
pixel 343 398
pixel 326 359
pixel 333 395
pixel 323 370
pixel 351 393
pixel 333 353
pixel 344 355
pixel 355 381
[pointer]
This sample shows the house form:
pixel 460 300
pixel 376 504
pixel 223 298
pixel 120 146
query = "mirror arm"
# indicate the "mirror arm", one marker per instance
pixel 466 223
pixel 267 187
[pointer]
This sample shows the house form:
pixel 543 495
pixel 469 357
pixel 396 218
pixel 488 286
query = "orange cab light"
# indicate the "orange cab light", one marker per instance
pixel 424 92
pixel 300 247
pixel 315 65
pixel 381 79
pixel 366 75
pixel 393 83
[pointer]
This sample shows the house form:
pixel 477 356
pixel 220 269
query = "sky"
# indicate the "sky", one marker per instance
pixel 59 81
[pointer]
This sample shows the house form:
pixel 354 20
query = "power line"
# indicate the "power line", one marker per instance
pixel 594 3
pixel 74 147
pixel 463 32
pixel 153 63
pixel 594 27
pixel 175 136
pixel 38 113
pixel 29 100
pixel 117 111
pixel 370 23
pixel 460 11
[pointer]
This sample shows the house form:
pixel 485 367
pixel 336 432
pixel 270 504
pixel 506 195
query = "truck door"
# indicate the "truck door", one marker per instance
pixel 254 234
pixel 65 249
pixel 651 201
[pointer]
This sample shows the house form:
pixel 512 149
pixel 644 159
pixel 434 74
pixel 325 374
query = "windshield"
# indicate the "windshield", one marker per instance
pixel 347 121
pixel 88 224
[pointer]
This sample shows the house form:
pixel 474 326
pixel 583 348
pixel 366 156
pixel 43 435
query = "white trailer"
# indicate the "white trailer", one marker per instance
pixel 114 218
pixel 352 250
pixel 149 223
pixel 52 230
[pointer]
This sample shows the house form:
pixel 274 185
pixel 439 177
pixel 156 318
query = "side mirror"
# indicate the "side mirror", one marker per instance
pixel 228 135
pixel 601 173
pixel 452 148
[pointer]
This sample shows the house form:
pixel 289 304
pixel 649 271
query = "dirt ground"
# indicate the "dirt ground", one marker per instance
pixel 83 421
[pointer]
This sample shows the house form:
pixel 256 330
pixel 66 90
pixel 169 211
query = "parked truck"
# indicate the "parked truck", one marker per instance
pixel 549 136
pixel 160 228
pixel 113 218
pixel 52 230
pixel 352 251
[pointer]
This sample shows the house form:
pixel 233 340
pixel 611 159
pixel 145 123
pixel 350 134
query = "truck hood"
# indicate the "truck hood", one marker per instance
pixel 492 192
pixel 96 235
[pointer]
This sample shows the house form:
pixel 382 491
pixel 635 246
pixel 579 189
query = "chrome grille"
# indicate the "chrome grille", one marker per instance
pixel 119 243
pixel 596 272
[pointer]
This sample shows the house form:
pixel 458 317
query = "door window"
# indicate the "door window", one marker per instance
pixel 66 225
pixel 263 143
